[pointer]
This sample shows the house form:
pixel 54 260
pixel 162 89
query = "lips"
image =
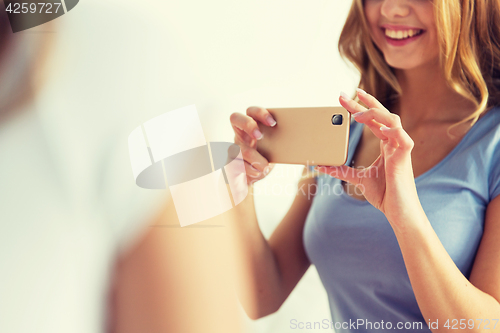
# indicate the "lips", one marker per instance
pixel 401 35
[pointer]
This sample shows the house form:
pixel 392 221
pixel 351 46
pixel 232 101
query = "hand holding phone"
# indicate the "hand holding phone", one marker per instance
pixel 248 131
pixel 308 136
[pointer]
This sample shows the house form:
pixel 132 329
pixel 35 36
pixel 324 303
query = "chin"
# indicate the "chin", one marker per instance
pixel 405 64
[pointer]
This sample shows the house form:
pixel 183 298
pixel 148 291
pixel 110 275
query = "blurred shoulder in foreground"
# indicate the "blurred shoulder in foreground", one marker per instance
pixel 73 224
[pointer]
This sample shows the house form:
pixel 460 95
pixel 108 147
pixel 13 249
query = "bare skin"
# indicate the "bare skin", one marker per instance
pixel 177 279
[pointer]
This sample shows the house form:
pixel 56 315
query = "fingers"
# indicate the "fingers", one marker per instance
pixel 243 139
pixel 246 128
pixel 254 174
pixel 376 117
pixel 358 110
pixel 262 115
pixel 375 112
pixel 256 165
pixel 242 123
pixel 254 158
pixel 369 100
pixel 350 105
pixel 392 127
pixel 399 137
pixel 381 116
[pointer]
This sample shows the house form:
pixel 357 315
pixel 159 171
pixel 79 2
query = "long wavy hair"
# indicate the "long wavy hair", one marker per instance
pixel 469 38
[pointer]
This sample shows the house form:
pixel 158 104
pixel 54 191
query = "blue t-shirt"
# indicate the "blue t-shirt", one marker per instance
pixel 356 252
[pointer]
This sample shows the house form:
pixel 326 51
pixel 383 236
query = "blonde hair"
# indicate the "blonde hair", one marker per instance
pixel 469 38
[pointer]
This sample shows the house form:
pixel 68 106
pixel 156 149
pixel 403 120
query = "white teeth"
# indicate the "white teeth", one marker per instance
pixel 401 34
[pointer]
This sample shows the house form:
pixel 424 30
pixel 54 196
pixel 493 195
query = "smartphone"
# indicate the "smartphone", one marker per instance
pixel 308 136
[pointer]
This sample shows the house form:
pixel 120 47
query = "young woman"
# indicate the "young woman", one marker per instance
pixel 411 240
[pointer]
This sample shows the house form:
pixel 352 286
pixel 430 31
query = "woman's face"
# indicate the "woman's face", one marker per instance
pixel 404 30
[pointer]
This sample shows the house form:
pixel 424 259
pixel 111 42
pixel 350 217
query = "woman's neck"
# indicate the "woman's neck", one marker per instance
pixel 426 96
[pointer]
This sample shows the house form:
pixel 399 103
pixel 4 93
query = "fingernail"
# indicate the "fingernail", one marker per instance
pixel 345 96
pixel 357 114
pixel 271 121
pixel 361 91
pixel 257 134
pixel 384 128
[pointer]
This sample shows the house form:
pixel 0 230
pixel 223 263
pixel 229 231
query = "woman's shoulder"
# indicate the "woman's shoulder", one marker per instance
pixel 485 132
pixel 494 114
pixel 485 139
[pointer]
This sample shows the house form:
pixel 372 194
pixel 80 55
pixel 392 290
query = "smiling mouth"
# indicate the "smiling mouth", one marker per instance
pixel 402 34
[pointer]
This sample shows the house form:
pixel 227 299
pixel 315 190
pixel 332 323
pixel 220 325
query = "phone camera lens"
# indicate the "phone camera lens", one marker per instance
pixel 337 119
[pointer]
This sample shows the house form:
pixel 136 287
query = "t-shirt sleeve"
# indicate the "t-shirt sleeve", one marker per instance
pixel 494 179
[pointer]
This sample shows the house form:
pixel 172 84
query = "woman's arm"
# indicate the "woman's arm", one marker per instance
pixel 443 293
pixel 269 270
